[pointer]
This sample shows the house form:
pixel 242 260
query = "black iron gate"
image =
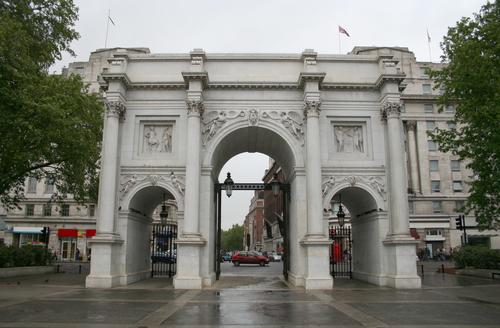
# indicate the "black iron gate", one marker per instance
pixel 163 250
pixel 341 252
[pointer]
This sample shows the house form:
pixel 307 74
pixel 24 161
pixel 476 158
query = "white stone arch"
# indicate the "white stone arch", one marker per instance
pixel 378 199
pixel 294 145
pixel 164 184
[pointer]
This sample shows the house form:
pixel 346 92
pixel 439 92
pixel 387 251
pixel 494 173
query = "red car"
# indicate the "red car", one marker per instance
pixel 249 258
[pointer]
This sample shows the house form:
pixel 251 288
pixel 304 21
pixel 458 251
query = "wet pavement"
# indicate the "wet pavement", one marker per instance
pixel 256 300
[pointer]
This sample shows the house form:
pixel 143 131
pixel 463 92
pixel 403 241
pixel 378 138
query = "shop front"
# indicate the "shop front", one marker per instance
pixel 74 244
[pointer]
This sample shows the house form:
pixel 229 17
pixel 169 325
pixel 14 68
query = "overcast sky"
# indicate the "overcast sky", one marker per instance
pixel 272 26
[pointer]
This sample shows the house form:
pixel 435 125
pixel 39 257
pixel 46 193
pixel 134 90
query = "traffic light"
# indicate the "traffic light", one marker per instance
pixel 459 222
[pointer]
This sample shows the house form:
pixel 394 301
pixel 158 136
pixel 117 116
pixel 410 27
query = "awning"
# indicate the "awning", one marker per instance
pixel 61 233
pixel 33 230
pixel 90 233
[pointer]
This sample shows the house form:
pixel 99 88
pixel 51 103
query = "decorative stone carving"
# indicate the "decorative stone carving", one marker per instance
pixel 115 108
pixel 129 181
pixel 253 117
pixel 195 106
pixel 177 183
pixel 375 182
pixel 214 120
pixel 349 139
pixel 312 107
pixel 292 121
pixel 157 139
pixel 391 110
pixel 196 60
pixel 411 125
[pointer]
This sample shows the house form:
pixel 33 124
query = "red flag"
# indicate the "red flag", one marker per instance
pixel 342 30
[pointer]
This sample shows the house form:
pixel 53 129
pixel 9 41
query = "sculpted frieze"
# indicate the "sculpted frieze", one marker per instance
pixel 349 138
pixel 157 139
pixel 214 120
pixel 377 183
pixel 129 181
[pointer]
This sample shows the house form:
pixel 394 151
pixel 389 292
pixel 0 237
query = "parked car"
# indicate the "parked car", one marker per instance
pixel 274 257
pixel 164 256
pixel 226 257
pixel 249 258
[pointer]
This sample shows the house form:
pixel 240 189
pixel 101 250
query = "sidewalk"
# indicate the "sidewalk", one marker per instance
pixel 60 300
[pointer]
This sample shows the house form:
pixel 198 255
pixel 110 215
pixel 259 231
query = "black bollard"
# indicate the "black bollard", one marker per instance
pixel 57 270
pixel 422 269
pixel 442 268
pixel 80 269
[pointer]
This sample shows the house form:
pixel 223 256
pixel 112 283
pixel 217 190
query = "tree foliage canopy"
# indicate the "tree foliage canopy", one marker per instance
pixel 232 239
pixel 471 80
pixel 51 127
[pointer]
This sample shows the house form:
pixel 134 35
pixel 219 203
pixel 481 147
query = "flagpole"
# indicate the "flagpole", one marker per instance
pixel 429 45
pixel 107 29
pixel 339 41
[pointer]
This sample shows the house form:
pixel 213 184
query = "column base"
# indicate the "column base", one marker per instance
pixel 401 269
pixel 317 262
pixel 105 263
pixel 188 283
pixel 188 262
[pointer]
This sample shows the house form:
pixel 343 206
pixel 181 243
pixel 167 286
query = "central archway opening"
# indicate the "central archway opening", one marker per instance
pixel 252 234
pixel 249 153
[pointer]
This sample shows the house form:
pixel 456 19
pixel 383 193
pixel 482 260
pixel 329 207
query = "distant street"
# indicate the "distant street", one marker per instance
pixel 273 269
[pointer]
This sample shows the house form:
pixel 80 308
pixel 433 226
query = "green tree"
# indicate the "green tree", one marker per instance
pixel 50 127
pixel 232 239
pixel 471 79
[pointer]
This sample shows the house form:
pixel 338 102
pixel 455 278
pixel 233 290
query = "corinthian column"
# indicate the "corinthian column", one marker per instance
pixel 313 168
pixel 398 202
pixel 193 168
pixel 107 187
pixel 413 157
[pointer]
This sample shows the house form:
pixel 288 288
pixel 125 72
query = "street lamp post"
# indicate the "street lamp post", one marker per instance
pixel 164 212
pixel 275 185
pixel 228 183
pixel 340 212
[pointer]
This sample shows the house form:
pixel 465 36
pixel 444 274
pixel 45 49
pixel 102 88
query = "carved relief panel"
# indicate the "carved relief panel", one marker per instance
pixel 154 138
pixel 349 139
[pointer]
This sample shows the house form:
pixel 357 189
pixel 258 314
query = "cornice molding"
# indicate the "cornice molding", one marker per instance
pixel 193 76
pixel 389 78
pixel 310 76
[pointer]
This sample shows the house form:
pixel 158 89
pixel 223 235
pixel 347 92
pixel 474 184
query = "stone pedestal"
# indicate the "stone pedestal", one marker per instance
pixel 188 263
pixel 401 268
pixel 106 254
pixel 317 264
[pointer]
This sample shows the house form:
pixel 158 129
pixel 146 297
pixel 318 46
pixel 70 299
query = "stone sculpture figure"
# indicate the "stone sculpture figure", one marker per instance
pixel 339 138
pixel 152 141
pixel 166 145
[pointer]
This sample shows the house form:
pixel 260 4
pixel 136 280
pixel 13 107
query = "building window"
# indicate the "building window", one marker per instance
pixel 30 209
pixel 64 210
pixel 49 186
pixel 32 185
pixel 431 125
pixel 423 72
pixel 47 210
pixel 459 206
pixel 433 165
pixel 436 206
pixel 455 165
pixel 92 210
pixel 434 232
pixel 450 109
pixel 435 186
pixel 426 89
pixel 457 186
pixel 432 145
pixel 452 125
pixel 429 108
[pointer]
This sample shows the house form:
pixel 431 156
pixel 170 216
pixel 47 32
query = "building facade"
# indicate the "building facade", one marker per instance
pixel 253 226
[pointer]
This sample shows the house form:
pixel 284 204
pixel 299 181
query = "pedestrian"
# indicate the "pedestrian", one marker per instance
pixel 77 254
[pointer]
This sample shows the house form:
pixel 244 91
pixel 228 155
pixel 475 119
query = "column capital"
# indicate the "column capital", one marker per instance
pixel 312 108
pixel 411 125
pixel 195 107
pixel 391 110
pixel 115 108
